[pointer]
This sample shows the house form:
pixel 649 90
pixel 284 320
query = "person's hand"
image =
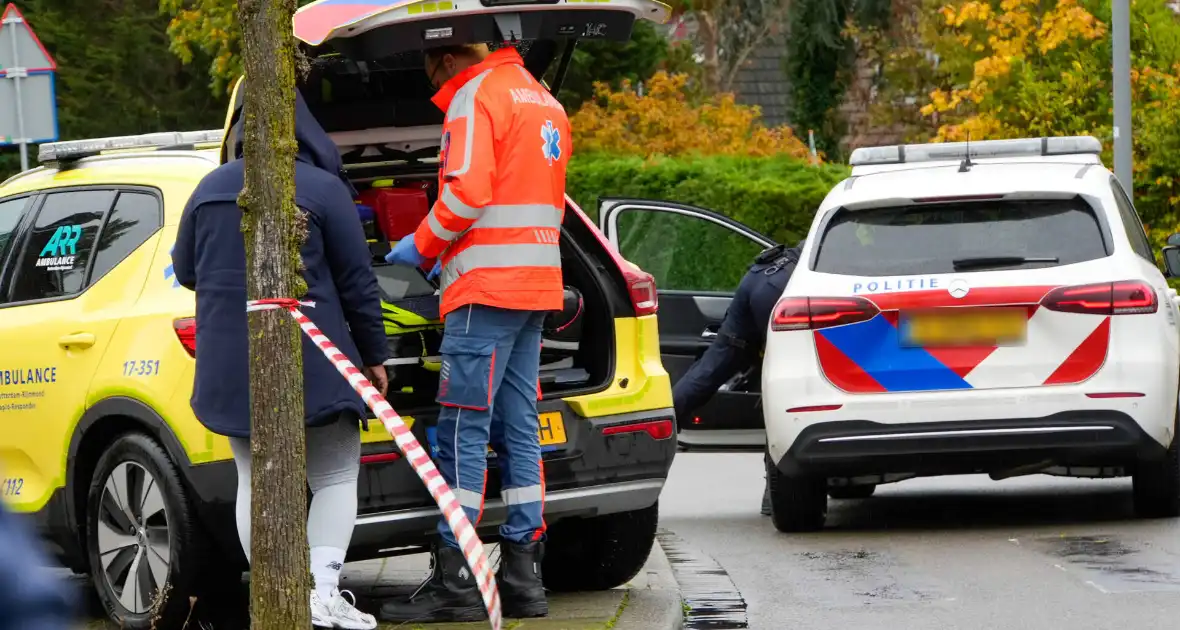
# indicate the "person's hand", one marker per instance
pixel 376 375
pixel 405 253
pixel 434 272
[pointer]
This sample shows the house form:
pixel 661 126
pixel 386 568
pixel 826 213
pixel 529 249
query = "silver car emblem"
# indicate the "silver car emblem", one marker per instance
pixel 958 289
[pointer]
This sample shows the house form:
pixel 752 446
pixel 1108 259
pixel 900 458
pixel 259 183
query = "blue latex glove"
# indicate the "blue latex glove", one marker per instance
pixel 434 272
pixel 405 253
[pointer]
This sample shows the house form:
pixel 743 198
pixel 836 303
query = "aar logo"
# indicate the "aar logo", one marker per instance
pixel 61 250
pixel 170 271
pixel 551 142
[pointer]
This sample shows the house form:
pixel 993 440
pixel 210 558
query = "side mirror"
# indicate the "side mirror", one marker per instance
pixel 1174 240
pixel 1172 260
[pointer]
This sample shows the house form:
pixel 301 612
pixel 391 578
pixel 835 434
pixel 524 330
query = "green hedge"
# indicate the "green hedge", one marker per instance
pixel 777 196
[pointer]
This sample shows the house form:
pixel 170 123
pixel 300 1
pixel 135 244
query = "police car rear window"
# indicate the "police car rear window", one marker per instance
pixel 961 237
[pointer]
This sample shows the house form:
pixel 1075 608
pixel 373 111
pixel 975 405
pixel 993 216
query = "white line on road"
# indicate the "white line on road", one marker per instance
pixel 1098 588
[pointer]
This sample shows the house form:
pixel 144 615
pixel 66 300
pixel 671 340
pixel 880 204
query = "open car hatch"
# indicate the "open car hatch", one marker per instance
pixel 369 29
pixel 368 86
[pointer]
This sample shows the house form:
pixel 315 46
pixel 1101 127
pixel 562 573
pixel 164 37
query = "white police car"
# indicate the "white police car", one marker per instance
pixel 1001 314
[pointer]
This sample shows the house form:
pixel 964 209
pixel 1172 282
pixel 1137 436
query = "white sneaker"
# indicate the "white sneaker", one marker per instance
pixel 339 612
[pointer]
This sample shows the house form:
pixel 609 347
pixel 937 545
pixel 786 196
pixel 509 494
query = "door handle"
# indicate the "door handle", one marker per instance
pixel 77 340
pixel 708 334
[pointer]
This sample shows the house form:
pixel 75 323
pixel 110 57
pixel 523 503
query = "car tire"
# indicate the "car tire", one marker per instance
pixel 852 492
pixel 797 504
pixel 598 553
pixel 1156 485
pixel 155 549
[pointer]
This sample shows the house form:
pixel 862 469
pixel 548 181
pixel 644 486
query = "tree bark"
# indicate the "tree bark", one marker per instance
pixel 280 580
pixel 710 38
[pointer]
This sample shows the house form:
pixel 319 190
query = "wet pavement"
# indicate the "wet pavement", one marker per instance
pixel 966 553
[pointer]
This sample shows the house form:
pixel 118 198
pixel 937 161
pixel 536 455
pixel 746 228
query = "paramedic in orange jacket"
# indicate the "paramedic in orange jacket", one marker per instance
pixel 495 229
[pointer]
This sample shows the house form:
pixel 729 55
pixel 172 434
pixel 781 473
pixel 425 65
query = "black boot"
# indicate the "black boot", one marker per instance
pixel 449 594
pixel 519 578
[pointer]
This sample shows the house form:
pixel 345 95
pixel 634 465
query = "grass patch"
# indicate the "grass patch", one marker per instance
pixel 619 612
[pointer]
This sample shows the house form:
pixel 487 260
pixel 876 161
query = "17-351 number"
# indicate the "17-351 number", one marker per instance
pixel 11 487
pixel 141 368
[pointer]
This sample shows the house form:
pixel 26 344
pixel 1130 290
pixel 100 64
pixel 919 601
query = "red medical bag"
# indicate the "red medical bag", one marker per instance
pixel 399 209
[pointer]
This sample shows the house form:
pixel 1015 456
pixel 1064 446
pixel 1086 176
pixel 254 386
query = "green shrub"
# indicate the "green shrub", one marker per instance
pixel 777 196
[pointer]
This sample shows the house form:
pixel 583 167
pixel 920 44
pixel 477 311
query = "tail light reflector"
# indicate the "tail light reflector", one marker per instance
pixel 186 332
pixel 1126 297
pixel 657 429
pixel 811 313
pixel 380 458
pixel 814 408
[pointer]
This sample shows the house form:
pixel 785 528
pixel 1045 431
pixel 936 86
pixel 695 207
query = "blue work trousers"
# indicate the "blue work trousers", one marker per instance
pixel 488 391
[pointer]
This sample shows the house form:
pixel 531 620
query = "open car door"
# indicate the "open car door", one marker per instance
pixel 698 258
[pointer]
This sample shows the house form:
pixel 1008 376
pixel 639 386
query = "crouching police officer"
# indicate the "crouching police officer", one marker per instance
pixel 740 342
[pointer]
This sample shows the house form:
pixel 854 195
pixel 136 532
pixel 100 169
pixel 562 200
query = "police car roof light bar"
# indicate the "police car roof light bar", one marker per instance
pixel 958 151
pixel 78 149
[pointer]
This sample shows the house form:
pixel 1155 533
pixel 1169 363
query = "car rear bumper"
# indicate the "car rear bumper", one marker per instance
pixel 861 447
pixel 375 533
pixel 595 473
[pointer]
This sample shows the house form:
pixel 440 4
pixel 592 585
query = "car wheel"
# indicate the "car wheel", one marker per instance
pixel 1156 485
pixel 143 544
pixel 852 492
pixel 598 553
pixel 797 504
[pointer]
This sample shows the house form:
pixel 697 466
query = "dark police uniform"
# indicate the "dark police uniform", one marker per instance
pixel 740 341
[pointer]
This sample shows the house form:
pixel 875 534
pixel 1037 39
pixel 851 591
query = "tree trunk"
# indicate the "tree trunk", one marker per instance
pixel 710 40
pixel 280 580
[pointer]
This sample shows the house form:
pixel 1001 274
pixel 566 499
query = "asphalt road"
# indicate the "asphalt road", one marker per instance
pixel 952 553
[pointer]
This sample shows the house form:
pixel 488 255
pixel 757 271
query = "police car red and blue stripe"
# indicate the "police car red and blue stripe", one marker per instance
pixel 859 345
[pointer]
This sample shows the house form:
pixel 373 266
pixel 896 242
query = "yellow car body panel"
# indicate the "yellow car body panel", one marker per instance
pixel 135 352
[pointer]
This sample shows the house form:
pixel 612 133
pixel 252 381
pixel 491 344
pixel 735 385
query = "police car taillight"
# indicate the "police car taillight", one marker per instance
pixel 1125 297
pixel 811 313
pixel 186 332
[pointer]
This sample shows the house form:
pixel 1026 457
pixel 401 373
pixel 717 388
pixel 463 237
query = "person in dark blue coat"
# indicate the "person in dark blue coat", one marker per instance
pixel 742 336
pixel 31 598
pixel 210 258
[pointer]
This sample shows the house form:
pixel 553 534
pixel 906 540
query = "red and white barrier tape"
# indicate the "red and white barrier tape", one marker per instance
pixel 469 542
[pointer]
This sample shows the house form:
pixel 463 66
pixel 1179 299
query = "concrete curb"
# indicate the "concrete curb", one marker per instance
pixel 654 597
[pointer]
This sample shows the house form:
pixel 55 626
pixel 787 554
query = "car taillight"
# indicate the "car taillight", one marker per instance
pixel 642 288
pixel 1126 297
pixel 811 313
pixel 657 429
pixel 186 332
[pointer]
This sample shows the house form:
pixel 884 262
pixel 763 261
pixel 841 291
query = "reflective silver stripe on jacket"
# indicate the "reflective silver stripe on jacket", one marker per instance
pixel 463 106
pixel 499 256
pixel 536 216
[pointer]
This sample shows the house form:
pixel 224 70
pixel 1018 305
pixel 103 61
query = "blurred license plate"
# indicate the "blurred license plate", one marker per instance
pixel 551 432
pixel 552 428
pixel 965 327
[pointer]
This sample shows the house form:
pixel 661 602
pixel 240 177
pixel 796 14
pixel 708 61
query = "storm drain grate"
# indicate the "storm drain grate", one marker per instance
pixel 711 600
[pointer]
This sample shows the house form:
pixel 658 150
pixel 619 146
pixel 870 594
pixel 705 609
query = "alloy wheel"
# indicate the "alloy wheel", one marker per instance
pixel 133 537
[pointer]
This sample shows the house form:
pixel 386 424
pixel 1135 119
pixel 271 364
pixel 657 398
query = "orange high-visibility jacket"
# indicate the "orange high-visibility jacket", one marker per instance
pixel 497 221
